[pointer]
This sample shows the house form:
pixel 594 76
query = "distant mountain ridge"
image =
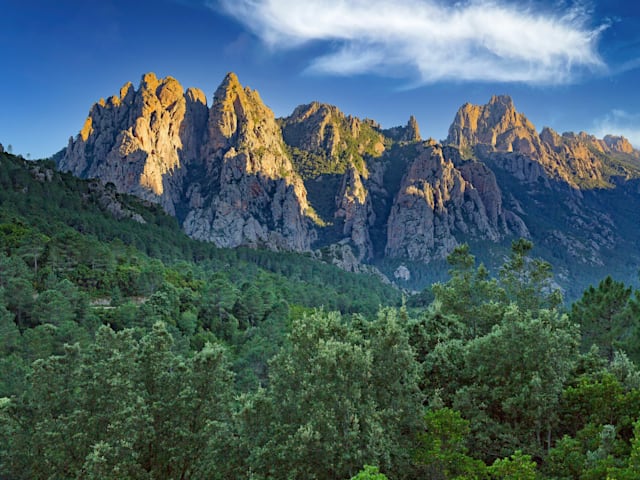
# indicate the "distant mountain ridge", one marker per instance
pixel 352 192
pixel 580 160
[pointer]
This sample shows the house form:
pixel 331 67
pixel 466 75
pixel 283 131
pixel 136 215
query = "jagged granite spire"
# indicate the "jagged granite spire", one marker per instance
pixel 412 130
pixel 442 196
pixel 408 133
pixel 249 192
pixel 141 140
pixel 223 171
pixel 496 124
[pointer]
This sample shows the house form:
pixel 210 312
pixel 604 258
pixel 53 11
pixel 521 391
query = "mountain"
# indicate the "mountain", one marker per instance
pixel 223 171
pixel 141 140
pixel 354 193
pixel 578 160
pixel 243 189
pixel 442 196
pixel 331 150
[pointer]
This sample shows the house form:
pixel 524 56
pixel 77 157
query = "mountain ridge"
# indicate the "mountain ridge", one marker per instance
pixel 235 175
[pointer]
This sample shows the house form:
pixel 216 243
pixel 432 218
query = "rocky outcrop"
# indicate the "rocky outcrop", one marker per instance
pixel 106 197
pixel 224 172
pixel 619 144
pixel 140 140
pixel 325 131
pixel 409 133
pixel 496 124
pixel 249 192
pixel 497 132
pixel 580 155
pixel 443 197
pixel 109 201
pixel 356 212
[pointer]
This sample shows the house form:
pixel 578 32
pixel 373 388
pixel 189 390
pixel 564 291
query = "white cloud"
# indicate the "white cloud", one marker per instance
pixel 476 40
pixel 620 122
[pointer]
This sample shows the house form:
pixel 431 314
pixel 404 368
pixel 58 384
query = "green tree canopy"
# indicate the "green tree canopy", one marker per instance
pixel 603 316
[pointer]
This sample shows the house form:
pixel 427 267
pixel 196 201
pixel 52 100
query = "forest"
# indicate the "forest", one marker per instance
pixel 128 351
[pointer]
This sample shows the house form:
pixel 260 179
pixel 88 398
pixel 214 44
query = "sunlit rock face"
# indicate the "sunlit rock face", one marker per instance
pixel 579 160
pixel 442 196
pixel 141 140
pixel 223 171
pixel 248 193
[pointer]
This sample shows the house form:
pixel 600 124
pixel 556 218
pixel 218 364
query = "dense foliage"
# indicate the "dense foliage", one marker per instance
pixel 130 351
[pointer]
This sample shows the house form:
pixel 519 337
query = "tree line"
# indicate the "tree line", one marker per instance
pixel 494 379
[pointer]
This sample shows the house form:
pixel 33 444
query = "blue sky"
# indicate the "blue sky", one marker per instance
pixel 570 65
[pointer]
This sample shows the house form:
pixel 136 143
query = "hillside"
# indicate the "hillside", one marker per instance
pixel 128 349
pixel 114 255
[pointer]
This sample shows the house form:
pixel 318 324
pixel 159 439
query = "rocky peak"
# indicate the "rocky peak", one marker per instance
pixel 496 124
pixel 248 193
pixel 608 145
pixel 497 132
pixel 239 120
pixel 584 161
pixel 324 130
pixel 551 137
pixel 442 196
pixel 408 133
pixel 412 129
pixel 137 140
pixel 620 144
pixel 501 105
pixel 316 128
pixel 229 108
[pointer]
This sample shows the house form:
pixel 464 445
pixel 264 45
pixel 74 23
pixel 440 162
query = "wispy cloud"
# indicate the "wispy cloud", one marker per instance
pixel 619 122
pixel 627 66
pixel 476 40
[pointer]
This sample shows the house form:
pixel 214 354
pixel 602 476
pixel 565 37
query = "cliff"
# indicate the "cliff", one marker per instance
pixel 443 197
pixel 223 171
pixel 248 192
pixel 356 193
